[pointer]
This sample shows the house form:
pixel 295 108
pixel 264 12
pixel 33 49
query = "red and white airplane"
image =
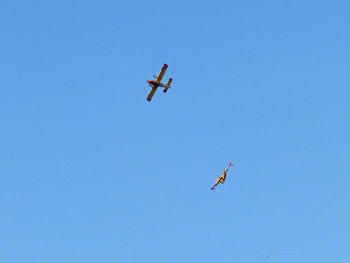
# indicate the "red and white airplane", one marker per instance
pixel 154 84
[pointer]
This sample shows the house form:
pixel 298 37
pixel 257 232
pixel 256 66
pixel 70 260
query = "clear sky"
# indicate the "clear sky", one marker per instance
pixel 92 172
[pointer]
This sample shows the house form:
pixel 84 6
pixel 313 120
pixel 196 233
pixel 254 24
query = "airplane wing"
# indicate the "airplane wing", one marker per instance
pixel 161 73
pixel 151 93
pixel 214 186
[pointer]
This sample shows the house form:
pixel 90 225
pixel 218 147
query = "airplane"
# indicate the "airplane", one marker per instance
pixel 221 179
pixel 154 84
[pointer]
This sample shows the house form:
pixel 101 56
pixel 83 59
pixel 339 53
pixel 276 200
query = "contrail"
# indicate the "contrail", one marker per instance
pixel 305 223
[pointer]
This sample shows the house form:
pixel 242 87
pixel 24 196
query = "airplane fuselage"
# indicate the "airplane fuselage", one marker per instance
pixel 156 84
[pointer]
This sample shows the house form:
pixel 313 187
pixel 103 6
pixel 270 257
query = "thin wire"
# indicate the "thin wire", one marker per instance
pixel 306 222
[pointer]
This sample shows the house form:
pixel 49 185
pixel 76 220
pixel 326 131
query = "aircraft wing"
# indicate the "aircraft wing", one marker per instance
pixel 214 186
pixel 161 73
pixel 151 93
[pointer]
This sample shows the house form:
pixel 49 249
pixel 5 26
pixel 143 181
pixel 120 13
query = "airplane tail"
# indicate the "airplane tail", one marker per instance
pixel 167 85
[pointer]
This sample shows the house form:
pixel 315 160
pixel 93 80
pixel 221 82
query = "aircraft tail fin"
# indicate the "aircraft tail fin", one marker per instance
pixel 167 85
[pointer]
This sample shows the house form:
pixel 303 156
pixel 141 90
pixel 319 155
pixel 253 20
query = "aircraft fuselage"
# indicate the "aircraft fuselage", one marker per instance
pixel 156 84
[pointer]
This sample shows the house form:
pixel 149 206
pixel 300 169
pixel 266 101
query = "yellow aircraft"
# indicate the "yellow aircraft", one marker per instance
pixel 221 179
pixel 154 84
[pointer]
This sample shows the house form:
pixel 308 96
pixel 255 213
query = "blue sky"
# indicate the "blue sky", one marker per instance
pixel 92 172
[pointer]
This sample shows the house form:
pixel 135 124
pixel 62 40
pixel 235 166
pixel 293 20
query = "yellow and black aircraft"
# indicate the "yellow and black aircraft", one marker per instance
pixel 154 84
pixel 221 179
